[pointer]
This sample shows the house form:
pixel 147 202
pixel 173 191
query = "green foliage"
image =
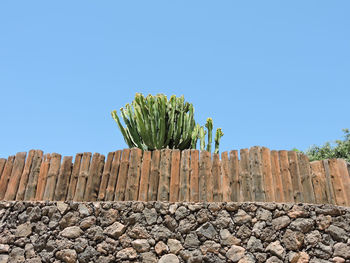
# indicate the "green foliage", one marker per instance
pixel 155 122
pixel 341 149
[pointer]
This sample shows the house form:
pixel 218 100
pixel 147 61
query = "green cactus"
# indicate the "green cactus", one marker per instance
pixel 209 126
pixel 218 136
pixel 154 122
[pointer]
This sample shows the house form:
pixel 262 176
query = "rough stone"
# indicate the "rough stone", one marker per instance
pixel 235 253
pixel 71 232
pixel 127 253
pixel 302 224
pixel 175 246
pixel 150 215
pixel 67 255
pixel 161 248
pixel 276 249
pixel 280 222
pixel 293 240
pixel 191 241
pixel 115 230
pixel 337 233
pixel 169 258
pixel 149 257
pixel 228 239
pixel 242 217
pixel 207 230
pixel 342 250
pixel 24 230
pixel 140 245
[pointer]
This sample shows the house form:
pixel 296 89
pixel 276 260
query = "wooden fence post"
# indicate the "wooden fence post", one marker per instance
pixel 175 176
pixel 337 182
pixel 256 173
pixel 267 175
pixel 105 176
pixel 330 191
pixel 30 190
pixel 63 179
pixel 23 179
pixel 246 180
pixel 145 175
pixel 184 193
pixel 204 175
pixel 133 182
pixel 344 175
pixel 123 176
pixel 235 176
pixel 319 182
pixel 216 178
pixel 44 168
pixel 194 176
pixel 94 177
pixel 306 180
pixel 286 179
pixel 295 176
pixel 112 180
pixel 226 178
pixel 9 181
pixel 82 178
pixel 52 174
pixel 154 177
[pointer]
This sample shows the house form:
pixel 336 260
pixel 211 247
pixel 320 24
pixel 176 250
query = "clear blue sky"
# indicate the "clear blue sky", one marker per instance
pixel 270 73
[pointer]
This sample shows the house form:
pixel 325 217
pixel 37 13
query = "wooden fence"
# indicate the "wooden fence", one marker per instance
pixel 255 174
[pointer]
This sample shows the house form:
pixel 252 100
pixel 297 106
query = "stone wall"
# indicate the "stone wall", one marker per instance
pixel 104 232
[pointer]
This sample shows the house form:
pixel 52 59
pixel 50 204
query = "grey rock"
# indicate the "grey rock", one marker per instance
pixel 242 217
pixel 23 230
pixel 115 230
pixel 293 240
pixel 88 255
pixel 206 230
pixel 4 258
pixel 150 215
pixel 302 224
pixel 160 233
pixel 149 257
pixel 274 259
pixel 280 222
pixel 227 239
pixel 17 255
pixel 4 248
pixel 169 258
pixel 313 238
pixel 181 213
pixel 69 219
pixel 161 248
pixel 140 245
pixel 87 222
pixel 235 253
pixel 62 207
pixel 254 244
pixel 83 210
pixel 127 253
pixel 210 246
pixel 276 249
pixel 67 255
pixel 337 233
pixel 244 232
pixel 71 232
pixel 108 217
pixel 174 245
pixel 223 219
pixel 342 250
pixel 138 232
pixel 263 214
pixel 106 259
pixel 191 241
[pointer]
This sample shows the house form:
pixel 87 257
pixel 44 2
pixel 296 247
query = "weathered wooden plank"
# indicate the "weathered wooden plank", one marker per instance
pixel 94 180
pixel 105 176
pixel 123 176
pixel 23 179
pixel 8 188
pixel 82 178
pixel 145 175
pixel 267 174
pixel 44 168
pixel 194 176
pixel 30 191
pixel 337 182
pixel 174 176
pixel 329 188
pixel 154 177
pixel 55 164
pixel 319 182
pixel 2 165
pixel 92 174
pixel 164 175
pixel 112 181
pixel 306 179
pixel 184 188
pixel 246 193
pixel 226 179
pixel 343 172
pixel 216 178
pixel 296 177
pixel 256 173
pixel 74 176
pixel 63 179
pixel 234 175
pixel 285 174
pixel 133 182
pixel 276 174
pixel 204 176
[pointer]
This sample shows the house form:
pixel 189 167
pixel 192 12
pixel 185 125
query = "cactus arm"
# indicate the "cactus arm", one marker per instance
pixel 195 136
pixel 202 133
pixel 218 136
pixel 209 126
pixel 122 129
